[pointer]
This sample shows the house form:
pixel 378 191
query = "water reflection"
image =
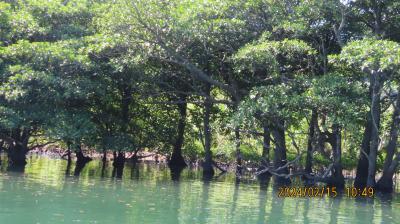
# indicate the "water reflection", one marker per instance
pixel 306 211
pixel 334 209
pixel 364 210
pixel 148 193
pixel 276 207
pixel 135 171
pixel 235 197
pixel 176 173
pixel 386 208
pixel 263 200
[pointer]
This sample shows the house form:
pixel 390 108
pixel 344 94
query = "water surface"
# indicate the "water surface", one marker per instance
pixel 44 193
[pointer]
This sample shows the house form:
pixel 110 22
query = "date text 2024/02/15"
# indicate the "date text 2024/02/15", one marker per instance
pixel 298 192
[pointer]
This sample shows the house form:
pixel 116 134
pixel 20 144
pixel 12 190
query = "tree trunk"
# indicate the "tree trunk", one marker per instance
pixel 385 183
pixel 362 165
pixel 265 154
pixel 207 164
pixel 280 160
pixel 81 161
pixel 1 148
pixel 310 148
pixel 18 150
pixel 266 144
pixel 239 167
pixel 69 162
pixel 104 162
pixel 375 115
pixel 104 158
pixel 119 162
pixel 176 173
pixel 17 158
pixel 337 178
pixel 114 159
pixel 177 161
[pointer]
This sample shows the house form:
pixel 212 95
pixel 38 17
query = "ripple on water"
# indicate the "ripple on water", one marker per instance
pixel 154 198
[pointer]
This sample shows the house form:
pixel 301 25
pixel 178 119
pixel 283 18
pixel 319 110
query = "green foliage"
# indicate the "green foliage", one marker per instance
pixel 271 59
pixel 283 66
pixel 371 56
pixel 111 74
pixel 337 95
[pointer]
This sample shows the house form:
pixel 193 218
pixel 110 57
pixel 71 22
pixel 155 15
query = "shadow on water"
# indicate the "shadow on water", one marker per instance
pixel 117 172
pixel 364 210
pixel 306 209
pixel 11 167
pixel 118 165
pixel 16 168
pixel 120 172
pixel 262 203
pixel 103 169
pixel 78 168
pixel 235 197
pixel 135 173
pixel 175 201
pixel 68 169
pixel 113 173
pixel 204 212
pixel 276 206
pixel 386 207
pixel 207 177
pixel 176 173
pixel 334 208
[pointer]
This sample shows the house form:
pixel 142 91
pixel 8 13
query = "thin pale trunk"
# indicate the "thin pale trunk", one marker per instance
pixel 69 159
pixel 104 162
pixel 239 167
pixel 375 115
pixel 69 162
pixel 114 161
pixel 207 165
pixel 385 183
pixel 264 177
pixel 266 145
pixel 310 148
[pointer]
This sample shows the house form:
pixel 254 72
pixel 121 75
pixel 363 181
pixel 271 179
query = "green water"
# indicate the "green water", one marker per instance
pixel 146 194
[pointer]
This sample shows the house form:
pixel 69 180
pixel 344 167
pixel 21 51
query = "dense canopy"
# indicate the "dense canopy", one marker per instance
pixel 287 88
